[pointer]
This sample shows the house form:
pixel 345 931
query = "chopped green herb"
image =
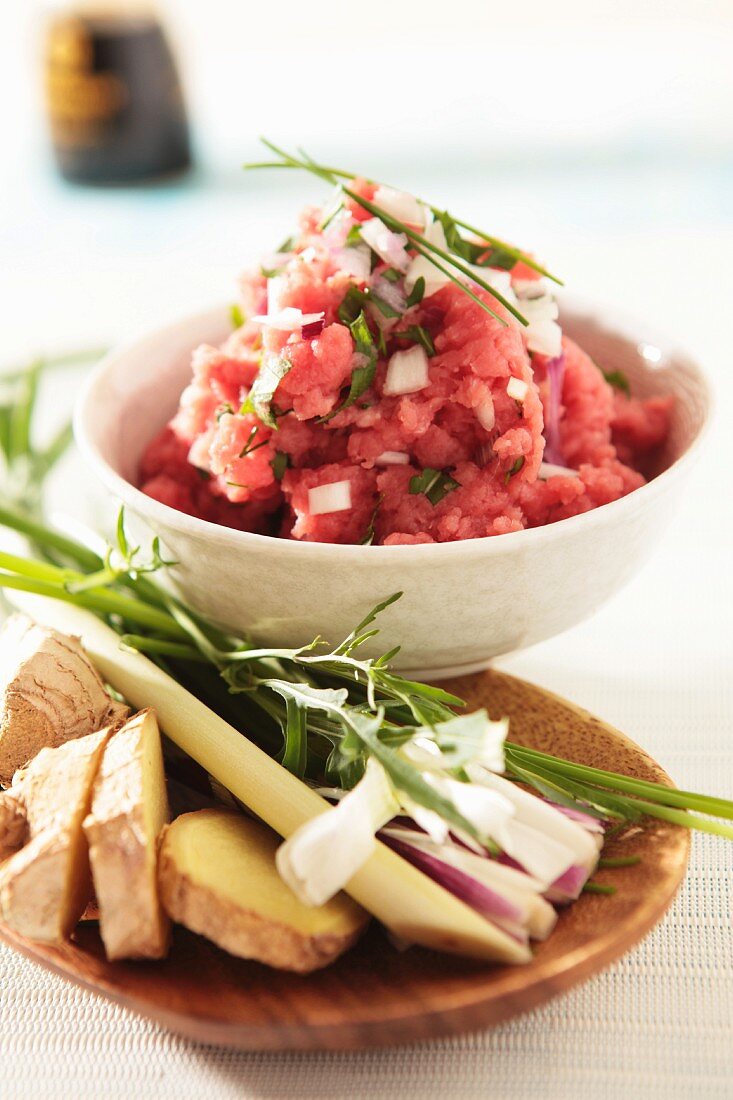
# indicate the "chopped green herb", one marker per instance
pixel 618 380
pixel 418 335
pixel 203 474
pixel 434 484
pixel 280 464
pixel 288 245
pixel 236 315
pixel 514 469
pixel 353 237
pixel 331 215
pixel 598 888
pixel 391 274
pixel 620 861
pixel 381 342
pixel 351 306
pixel 417 293
pixel 237 485
pixel 369 536
pixel 224 410
pixel 270 375
pixel 269 272
pixel 361 377
pixel 355 301
pixel 250 446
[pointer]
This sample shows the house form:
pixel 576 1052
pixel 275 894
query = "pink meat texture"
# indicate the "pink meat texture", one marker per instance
pixel 485 449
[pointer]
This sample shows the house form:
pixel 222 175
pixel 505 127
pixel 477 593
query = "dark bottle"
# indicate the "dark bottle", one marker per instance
pixel 113 96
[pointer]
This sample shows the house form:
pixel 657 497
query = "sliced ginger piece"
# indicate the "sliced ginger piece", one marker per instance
pixel 129 809
pixel 50 693
pixel 217 876
pixel 13 823
pixel 45 886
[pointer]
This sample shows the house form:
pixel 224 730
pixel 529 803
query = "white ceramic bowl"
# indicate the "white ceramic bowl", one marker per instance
pixel 464 602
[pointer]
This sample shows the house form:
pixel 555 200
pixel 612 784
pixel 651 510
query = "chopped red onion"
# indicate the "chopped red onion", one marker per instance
pixel 485 901
pixel 313 328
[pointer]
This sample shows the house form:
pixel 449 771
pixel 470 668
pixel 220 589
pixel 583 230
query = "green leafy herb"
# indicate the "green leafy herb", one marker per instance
pixel 250 446
pixel 417 293
pixel 224 410
pixel 280 464
pixel 598 888
pixel 620 861
pixel 370 531
pixel 237 316
pixel 515 467
pixel 434 484
pixel 418 335
pixel 288 245
pixel 355 301
pixel 353 237
pixel 618 380
pixel 270 375
pixel 363 376
pixel 391 274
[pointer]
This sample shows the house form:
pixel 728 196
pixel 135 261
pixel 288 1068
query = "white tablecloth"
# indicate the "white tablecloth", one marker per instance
pixel 656 662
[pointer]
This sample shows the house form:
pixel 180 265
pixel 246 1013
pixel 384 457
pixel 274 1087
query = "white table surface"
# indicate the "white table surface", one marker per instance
pixel 80 267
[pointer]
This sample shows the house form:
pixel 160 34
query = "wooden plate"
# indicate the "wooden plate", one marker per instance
pixel 375 995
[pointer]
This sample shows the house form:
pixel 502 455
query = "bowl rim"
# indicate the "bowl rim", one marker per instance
pixel 154 511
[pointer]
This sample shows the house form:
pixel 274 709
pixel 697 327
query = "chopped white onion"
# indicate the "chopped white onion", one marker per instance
pixel 545 338
pixel 389 246
pixel 391 293
pixel 335 497
pixel 501 281
pixel 356 261
pixel 401 205
pixel 517 388
pixel 275 290
pixel 485 413
pixel 392 458
pixel 526 289
pixel 289 319
pixel 549 469
pixel 407 372
pixel 422 268
pixel 536 310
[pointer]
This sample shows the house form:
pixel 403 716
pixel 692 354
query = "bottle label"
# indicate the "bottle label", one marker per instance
pixel 81 102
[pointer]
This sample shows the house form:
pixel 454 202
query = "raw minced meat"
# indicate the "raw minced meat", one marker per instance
pixel 295 399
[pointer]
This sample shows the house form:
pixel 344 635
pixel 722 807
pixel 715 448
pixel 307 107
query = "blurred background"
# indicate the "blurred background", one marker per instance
pixel 600 135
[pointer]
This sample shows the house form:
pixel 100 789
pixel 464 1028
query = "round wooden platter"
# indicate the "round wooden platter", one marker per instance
pixel 376 995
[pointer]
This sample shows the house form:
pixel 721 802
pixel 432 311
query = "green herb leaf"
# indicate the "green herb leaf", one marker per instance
pixel 618 380
pixel 361 377
pixel 250 446
pixel 391 274
pixel 369 536
pixel 434 484
pixel 280 464
pixel 515 467
pixel 236 315
pixel 270 375
pixel 418 335
pixel 417 293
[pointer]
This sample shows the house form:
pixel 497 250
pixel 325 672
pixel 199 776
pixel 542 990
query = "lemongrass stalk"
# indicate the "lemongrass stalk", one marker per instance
pixel 410 904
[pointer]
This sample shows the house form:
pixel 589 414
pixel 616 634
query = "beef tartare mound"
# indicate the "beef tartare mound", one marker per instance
pixel 369 396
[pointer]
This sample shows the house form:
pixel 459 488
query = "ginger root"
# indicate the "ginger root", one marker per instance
pixel 217 876
pixel 45 886
pixel 128 811
pixel 50 693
